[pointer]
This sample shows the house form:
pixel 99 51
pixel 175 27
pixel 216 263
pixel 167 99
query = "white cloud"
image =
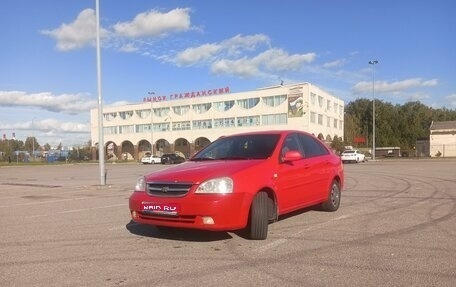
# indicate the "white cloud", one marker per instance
pixel 191 56
pixel 231 49
pixel 78 34
pixel 334 64
pixel 389 87
pixel 241 67
pixel 243 56
pixel 154 23
pixel 68 103
pixel 272 60
pixel 240 43
pixel 279 60
pixel 451 99
pixel 82 31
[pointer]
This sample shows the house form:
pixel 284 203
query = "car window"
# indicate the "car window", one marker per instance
pixel 257 146
pixel 291 142
pixel 312 147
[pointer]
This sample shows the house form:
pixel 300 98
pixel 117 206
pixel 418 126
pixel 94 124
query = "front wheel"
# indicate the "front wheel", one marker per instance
pixel 333 201
pixel 258 221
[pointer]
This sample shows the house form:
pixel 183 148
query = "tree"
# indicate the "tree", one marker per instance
pixel 337 144
pixel 31 144
pixel 399 125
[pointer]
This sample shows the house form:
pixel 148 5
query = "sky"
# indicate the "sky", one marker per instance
pixel 48 58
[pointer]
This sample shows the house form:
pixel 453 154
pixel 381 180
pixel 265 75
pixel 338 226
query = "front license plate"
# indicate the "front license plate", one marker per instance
pixel 161 208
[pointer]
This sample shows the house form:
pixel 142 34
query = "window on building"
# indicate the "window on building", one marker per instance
pixel 223 106
pixel 110 116
pixel 224 123
pixel 201 108
pixel 313 117
pixel 320 101
pixel 181 110
pixel 110 130
pixel 313 99
pixel 202 124
pixel 328 121
pixel 129 129
pixel 328 105
pixel 161 112
pixel 274 119
pixel 248 103
pixel 274 101
pixel 161 127
pixel 335 123
pixel 143 128
pixel 181 126
pixel 248 121
pixel 320 119
pixel 335 107
pixel 143 114
pixel 126 115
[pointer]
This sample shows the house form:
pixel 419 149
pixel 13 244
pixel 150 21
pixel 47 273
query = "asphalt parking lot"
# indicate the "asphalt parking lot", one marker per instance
pixel 396 227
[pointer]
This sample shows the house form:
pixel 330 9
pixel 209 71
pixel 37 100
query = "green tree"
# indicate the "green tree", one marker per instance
pixel 399 125
pixel 31 144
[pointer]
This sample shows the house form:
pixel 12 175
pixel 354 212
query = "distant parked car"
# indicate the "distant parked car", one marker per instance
pixel 150 159
pixel 171 158
pixel 352 156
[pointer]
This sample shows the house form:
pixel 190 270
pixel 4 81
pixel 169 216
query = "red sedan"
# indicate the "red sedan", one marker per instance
pixel 241 181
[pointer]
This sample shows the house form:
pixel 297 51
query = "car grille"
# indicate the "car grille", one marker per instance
pixel 168 189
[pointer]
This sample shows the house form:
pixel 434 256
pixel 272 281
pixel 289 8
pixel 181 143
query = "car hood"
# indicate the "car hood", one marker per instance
pixel 199 171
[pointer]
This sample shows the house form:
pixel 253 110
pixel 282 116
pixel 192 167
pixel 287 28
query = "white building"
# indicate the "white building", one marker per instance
pixel 442 140
pixel 186 122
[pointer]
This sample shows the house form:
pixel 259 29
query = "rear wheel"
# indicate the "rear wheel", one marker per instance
pixel 333 201
pixel 258 225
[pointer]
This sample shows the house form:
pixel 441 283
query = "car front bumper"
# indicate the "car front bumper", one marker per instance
pixel 215 212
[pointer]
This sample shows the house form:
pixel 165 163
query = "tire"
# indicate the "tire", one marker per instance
pixel 334 194
pixel 258 220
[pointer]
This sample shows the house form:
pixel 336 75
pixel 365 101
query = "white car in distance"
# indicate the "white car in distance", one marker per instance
pixel 352 155
pixel 150 159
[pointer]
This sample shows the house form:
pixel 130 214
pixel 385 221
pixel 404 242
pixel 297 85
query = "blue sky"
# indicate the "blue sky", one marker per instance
pixel 48 75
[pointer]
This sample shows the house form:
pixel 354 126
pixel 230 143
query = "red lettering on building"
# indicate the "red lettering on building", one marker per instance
pixel 186 95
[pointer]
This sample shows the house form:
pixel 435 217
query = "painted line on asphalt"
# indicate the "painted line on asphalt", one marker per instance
pixel 281 241
pixel 45 202
pixel 91 208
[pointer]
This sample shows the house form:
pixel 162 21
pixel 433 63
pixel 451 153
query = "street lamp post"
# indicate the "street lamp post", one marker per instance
pixel 101 149
pixel 33 139
pixel 373 63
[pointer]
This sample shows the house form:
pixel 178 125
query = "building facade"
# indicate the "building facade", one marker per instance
pixel 442 139
pixel 189 121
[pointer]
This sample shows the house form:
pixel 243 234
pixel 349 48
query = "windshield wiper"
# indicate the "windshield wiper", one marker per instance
pixel 233 157
pixel 202 159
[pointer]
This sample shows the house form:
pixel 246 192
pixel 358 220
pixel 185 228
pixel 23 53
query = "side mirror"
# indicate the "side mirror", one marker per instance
pixel 292 155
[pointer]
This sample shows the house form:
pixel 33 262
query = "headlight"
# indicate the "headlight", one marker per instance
pixel 141 184
pixel 216 185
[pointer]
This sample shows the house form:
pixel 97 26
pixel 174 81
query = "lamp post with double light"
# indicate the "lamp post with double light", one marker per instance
pixel 373 63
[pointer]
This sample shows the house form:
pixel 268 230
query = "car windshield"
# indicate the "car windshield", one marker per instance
pixel 257 146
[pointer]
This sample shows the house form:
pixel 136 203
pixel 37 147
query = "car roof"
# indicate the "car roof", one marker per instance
pixel 272 132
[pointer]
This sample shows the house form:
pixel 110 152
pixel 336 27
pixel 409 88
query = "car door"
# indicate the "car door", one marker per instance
pixel 293 177
pixel 319 168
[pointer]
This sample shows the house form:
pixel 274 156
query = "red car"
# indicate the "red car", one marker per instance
pixel 242 181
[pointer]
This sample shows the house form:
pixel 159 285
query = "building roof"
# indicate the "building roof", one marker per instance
pixel 446 125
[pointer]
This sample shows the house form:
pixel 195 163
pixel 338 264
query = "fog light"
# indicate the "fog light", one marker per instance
pixel 208 220
pixel 134 214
